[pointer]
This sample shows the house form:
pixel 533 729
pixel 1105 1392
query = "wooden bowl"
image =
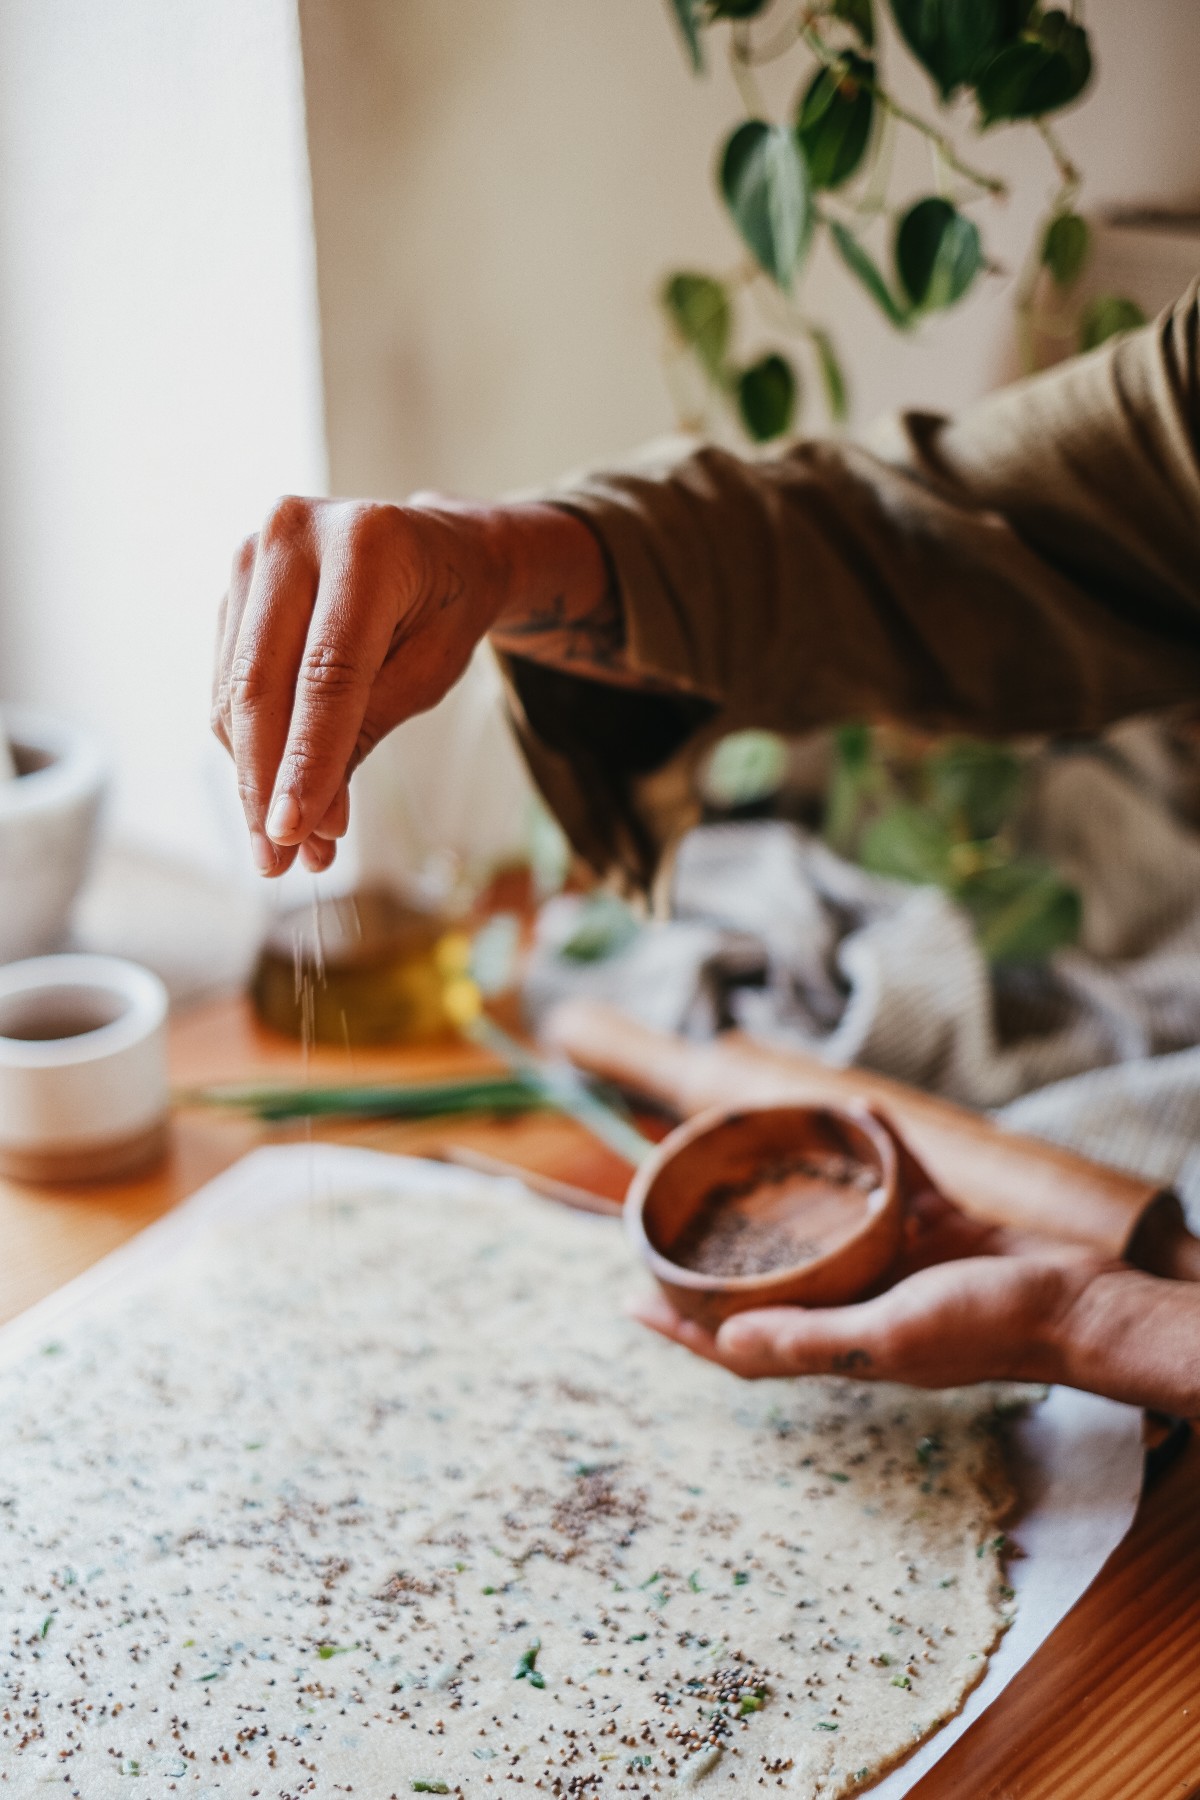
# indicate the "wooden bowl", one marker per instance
pixel 804 1202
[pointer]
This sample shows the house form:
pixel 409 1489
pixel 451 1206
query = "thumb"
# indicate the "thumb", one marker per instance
pixel 791 1340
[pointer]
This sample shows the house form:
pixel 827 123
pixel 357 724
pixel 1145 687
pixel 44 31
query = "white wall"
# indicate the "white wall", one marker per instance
pixel 499 188
pixel 159 363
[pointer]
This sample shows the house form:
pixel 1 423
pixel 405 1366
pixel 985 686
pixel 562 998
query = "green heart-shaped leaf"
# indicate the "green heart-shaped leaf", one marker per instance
pixel 1107 315
pixel 1045 69
pixel 1065 247
pixel 835 118
pixel 859 15
pixel 766 397
pixel 765 184
pixel 687 17
pixel 959 260
pixel 698 307
pixel 1022 911
pixel 856 776
pixel 831 374
pixel 954 39
pixel 973 785
pixel 745 768
pixel 938 253
pixel 909 844
pixel 853 745
pixel 864 269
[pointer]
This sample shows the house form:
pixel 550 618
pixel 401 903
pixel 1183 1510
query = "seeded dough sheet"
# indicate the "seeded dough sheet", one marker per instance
pixel 1079 1458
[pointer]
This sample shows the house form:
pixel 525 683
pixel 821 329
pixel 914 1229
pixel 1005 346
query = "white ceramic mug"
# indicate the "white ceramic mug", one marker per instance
pixel 83 1068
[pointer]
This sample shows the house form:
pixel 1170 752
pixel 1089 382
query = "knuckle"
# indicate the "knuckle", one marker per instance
pixel 246 684
pixel 371 522
pixel 288 522
pixel 251 792
pixel 303 763
pixel 330 672
pixel 372 539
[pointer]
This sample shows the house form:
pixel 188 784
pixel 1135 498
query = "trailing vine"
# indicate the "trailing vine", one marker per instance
pixel 826 169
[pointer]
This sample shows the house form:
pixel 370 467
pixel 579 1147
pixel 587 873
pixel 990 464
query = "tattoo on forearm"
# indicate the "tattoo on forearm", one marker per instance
pixel 593 638
pixel 850 1362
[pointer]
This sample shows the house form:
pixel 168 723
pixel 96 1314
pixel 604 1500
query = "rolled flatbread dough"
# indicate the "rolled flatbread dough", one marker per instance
pixel 386 1496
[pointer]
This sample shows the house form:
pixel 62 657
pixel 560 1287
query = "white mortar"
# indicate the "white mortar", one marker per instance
pixel 47 827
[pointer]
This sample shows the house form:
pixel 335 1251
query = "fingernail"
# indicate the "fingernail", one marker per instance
pixel 646 1308
pixel 263 852
pixel 284 816
pixel 316 855
pixel 735 1337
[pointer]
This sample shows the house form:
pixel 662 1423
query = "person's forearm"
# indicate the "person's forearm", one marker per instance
pixel 1028 567
pixel 1133 1337
pixel 561 607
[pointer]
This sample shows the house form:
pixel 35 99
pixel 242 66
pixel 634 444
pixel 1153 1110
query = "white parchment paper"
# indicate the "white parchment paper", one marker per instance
pixel 1081 1457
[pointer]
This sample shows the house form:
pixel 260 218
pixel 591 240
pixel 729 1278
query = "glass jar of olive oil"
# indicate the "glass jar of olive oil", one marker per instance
pixel 365 968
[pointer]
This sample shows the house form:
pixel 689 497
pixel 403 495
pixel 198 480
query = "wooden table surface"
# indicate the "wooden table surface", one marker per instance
pixel 1109 1709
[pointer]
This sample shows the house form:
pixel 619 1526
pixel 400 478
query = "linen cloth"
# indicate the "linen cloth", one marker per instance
pixel 1098 1049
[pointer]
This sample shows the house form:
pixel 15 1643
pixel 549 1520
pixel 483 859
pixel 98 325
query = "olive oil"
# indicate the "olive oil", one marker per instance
pixel 366 968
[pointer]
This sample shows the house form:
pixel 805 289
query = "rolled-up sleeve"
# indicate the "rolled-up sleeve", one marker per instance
pixel 1030 566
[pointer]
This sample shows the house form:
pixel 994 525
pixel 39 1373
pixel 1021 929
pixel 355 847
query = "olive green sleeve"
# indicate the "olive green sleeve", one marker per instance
pixel 1030 566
